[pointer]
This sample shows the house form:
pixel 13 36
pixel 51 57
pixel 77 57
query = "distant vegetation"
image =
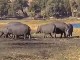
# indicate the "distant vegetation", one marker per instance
pixel 39 9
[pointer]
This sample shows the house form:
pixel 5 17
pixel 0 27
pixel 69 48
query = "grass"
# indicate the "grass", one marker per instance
pixel 61 49
pixel 35 23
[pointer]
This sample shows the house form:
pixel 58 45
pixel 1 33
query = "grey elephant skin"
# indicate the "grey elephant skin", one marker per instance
pixel 13 23
pixel 18 29
pixel 46 29
pixel 70 29
pixel 4 32
pixel 61 28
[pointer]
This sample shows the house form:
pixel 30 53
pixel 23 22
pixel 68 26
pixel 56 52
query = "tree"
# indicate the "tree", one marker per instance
pixel 52 7
pixel 18 5
pixel 4 7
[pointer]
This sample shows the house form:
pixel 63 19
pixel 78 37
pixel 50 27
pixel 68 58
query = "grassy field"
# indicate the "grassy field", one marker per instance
pixel 40 48
pixel 35 23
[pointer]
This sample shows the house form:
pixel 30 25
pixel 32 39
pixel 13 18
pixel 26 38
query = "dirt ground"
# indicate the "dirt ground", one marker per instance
pixel 40 49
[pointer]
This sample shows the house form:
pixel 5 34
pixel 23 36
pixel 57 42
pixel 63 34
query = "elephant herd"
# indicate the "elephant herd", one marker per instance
pixel 56 28
pixel 16 29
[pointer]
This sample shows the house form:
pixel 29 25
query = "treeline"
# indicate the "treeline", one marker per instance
pixel 13 8
pixel 40 8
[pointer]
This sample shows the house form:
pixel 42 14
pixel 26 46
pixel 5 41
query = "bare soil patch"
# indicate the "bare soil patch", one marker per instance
pixel 40 49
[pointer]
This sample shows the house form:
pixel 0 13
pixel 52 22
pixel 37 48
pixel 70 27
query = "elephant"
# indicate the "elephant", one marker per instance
pixel 61 28
pixel 4 32
pixel 70 31
pixel 14 23
pixel 46 29
pixel 17 29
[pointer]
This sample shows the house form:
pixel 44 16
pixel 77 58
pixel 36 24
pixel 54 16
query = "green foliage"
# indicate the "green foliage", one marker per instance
pixel 51 7
pixel 4 7
pixel 17 4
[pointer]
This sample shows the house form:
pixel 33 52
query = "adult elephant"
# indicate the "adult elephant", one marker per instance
pixel 61 28
pixel 47 29
pixel 18 29
pixel 5 31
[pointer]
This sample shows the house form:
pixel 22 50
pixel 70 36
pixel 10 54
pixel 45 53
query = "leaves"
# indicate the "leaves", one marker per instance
pixel 50 8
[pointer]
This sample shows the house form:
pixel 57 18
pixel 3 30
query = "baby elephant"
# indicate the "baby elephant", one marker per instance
pixel 46 29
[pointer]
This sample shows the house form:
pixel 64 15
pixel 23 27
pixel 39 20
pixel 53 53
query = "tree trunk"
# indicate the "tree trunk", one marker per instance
pixel 70 2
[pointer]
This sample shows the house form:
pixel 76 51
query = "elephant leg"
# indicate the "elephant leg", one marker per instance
pixel 29 36
pixel 44 35
pixel 11 36
pixel 65 35
pixel 24 36
pixel 61 35
pixel 1 34
pixel 54 35
pixel 51 35
pixel 4 36
pixel 71 33
pixel 15 36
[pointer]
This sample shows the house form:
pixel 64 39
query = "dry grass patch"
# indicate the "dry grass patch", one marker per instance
pixel 76 31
